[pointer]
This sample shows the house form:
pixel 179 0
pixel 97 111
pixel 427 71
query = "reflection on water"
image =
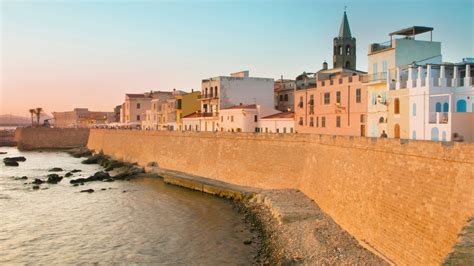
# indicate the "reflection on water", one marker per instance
pixel 143 221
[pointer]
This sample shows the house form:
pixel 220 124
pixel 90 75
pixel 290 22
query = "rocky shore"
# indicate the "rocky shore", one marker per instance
pixel 291 227
pixel 7 138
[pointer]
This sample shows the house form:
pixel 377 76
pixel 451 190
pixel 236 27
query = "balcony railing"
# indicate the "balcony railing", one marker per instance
pixel 438 118
pixel 207 96
pixel 375 47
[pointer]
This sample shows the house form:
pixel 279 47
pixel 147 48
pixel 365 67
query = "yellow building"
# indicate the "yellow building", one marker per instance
pixel 186 104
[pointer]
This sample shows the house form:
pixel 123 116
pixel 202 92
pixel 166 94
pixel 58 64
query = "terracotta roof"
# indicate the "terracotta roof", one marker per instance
pixel 243 106
pixel 280 115
pixel 192 115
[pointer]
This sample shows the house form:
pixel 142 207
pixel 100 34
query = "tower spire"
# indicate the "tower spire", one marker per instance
pixel 344 30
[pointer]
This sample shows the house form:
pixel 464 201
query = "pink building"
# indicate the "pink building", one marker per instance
pixel 336 105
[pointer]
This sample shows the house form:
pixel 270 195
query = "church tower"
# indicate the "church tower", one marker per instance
pixel 344 54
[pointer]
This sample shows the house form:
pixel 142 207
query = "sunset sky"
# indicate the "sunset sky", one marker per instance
pixel 65 54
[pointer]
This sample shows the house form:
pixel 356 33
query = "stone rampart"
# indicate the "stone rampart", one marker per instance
pixel 32 138
pixel 407 200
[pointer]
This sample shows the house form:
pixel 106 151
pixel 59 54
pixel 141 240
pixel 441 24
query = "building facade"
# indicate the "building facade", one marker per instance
pixel 134 108
pixel 283 122
pixel 226 91
pixel 82 117
pixel 383 60
pixel 284 94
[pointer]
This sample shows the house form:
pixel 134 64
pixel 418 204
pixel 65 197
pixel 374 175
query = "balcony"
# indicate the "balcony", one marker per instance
pixel 376 47
pixel 438 118
pixel 207 96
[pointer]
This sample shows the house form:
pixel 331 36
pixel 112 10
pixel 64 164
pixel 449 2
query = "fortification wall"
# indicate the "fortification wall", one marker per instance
pixel 406 200
pixel 50 138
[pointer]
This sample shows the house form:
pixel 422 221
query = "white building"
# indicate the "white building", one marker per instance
pixel 441 101
pixel 243 118
pixel 278 123
pixel 226 91
pixel 383 60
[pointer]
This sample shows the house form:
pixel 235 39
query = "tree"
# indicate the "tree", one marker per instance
pixel 38 112
pixel 32 113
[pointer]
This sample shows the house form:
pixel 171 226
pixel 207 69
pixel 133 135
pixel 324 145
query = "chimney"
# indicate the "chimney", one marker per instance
pixel 325 65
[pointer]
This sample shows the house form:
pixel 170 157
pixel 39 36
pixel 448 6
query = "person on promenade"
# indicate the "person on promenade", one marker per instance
pixel 383 135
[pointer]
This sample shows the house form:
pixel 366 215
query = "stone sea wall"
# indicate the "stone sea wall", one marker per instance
pixel 50 138
pixel 406 200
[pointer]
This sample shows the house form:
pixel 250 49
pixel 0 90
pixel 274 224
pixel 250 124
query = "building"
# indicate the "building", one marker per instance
pixel 187 104
pixel 283 122
pixel 117 112
pixel 333 101
pixel 82 117
pixel 226 91
pixel 284 94
pixel 439 101
pixel 243 117
pixel 135 106
pixel 383 60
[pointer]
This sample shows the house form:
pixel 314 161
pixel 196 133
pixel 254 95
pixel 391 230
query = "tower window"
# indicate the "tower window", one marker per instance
pixel 340 49
pixel 348 50
pixel 348 64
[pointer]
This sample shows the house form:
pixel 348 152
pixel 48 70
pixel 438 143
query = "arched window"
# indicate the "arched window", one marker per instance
pixel 396 106
pixel 396 131
pixel 461 106
pixel 348 50
pixel 438 107
pixel 443 136
pixel 348 64
pixel 340 49
pixel 215 91
pixel 381 120
pixel 435 134
pixel 414 110
pixel 445 107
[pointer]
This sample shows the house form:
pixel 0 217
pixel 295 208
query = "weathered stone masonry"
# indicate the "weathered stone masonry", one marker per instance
pixel 406 200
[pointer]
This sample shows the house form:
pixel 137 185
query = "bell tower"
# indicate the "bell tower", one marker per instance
pixel 344 54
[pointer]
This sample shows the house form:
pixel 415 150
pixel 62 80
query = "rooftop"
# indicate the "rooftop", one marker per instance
pixel 412 31
pixel 242 106
pixel 280 115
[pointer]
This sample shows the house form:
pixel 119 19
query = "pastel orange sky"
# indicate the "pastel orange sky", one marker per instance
pixel 64 54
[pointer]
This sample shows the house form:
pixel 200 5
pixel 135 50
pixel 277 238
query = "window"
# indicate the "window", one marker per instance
pixel 231 118
pixel 396 106
pixel 277 130
pixel 291 130
pixel 374 98
pixel 362 118
pixel 311 122
pixel 281 98
pixel 138 117
pixel 413 134
pixel 286 97
pixel 301 121
pixel 138 106
pixel 323 121
pixel 301 102
pixel 317 121
pixel 222 118
pixel 348 50
pixel 311 104
pixel 338 121
pixel 338 97
pixel 327 98
pixel 340 49
pixel 284 130
pixel 358 95
pixel 257 129
pixel 434 134
pixel 414 109
pixel 215 93
pixel 384 69
pixel 255 118
pixel 461 106
pixel 446 107
pixel 396 131
pixel 348 64
pixel 178 105
pixel 266 130
pixel 438 107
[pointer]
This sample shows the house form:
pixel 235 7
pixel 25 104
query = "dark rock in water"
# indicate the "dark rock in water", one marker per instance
pixel 248 242
pixel 14 159
pixel 36 187
pixel 68 174
pixel 45 188
pixel 54 178
pixel 90 190
pixel 76 184
pixel 37 181
pixel 10 163
pixel 108 180
pixel 114 164
pixel 3 152
pixel 124 191
pixel 82 184
pixel 56 169
pixel 103 189
pixel 130 173
pixel 77 181
pixel 101 175
pixel 75 171
pixel 80 152
pixel 95 159
pixel 21 178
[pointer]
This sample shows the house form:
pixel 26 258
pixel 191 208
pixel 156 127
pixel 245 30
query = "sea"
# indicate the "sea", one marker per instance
pixel 142 221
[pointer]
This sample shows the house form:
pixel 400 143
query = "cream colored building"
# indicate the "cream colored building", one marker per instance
pixel 134 109
pixel 82 117
pixel 283 122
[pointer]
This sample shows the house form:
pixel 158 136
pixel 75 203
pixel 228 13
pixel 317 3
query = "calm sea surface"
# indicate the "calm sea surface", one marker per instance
pixel 150 222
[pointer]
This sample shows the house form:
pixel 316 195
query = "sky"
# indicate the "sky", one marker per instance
pixel 65 54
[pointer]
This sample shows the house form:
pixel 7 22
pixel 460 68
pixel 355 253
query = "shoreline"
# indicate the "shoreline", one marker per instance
pixel 291 227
